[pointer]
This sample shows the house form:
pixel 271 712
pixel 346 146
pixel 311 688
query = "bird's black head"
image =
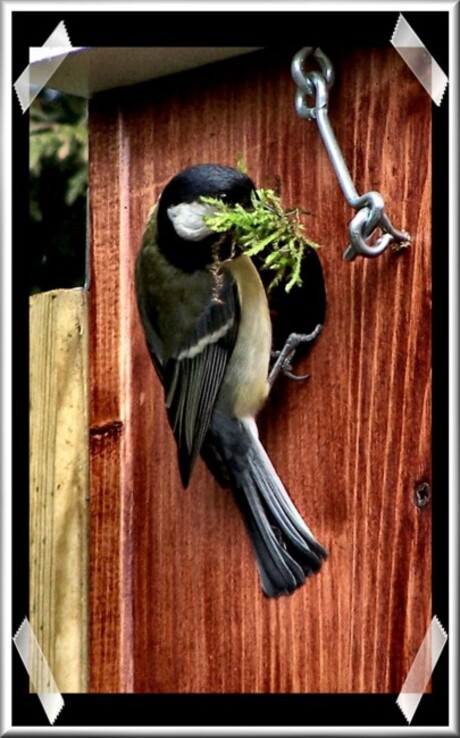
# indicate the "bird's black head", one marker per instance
pixel 183 236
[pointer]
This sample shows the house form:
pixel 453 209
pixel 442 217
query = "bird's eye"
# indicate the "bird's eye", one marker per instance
pixel 223 195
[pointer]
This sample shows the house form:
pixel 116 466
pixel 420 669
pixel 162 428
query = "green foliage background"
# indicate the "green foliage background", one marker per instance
pixel 57 194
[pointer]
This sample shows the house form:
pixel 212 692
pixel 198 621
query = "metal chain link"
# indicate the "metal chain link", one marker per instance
pixel 370 206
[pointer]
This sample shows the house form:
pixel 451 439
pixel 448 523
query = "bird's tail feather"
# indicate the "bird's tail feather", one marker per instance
pixel 285 548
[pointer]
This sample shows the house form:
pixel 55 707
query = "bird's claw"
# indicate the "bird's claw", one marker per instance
pixel 290 375
pixel 283 363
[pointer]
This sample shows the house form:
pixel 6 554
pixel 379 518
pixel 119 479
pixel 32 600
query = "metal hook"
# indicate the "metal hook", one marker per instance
pixel 370 206
pixel 301 78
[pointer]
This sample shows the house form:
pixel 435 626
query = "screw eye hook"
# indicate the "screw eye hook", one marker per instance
pixel 370 206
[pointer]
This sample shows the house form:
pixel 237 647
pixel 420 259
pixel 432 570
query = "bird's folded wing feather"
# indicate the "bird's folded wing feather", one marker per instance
pixel 193 376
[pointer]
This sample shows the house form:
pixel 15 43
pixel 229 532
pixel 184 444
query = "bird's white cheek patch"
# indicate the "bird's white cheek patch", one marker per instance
pixel 187 219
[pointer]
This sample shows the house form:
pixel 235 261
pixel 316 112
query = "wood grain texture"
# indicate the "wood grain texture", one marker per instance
pixel 176 604
pixel 110 473
pixel 58 510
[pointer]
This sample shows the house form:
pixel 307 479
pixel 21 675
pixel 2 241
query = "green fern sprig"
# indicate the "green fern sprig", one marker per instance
pixel 267 227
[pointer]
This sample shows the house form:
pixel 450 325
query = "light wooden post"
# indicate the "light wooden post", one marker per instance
pixel 59 493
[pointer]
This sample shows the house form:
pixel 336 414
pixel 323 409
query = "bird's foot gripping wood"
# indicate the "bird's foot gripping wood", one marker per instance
pixel 283 363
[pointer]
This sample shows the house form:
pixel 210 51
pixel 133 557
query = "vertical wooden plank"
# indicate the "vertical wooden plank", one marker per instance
pixel 111 541
pixel 59 483
pixel 351 444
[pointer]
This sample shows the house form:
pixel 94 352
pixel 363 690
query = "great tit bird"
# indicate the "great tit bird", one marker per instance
pixel 207 327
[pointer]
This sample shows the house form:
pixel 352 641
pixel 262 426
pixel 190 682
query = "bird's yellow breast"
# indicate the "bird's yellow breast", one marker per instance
pixel 247 370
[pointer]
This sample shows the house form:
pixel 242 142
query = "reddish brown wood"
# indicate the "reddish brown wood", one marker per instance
pixel 176 604
pixel 110 473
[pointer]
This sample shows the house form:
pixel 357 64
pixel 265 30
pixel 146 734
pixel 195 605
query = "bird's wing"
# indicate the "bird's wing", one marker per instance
pixel 193 375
